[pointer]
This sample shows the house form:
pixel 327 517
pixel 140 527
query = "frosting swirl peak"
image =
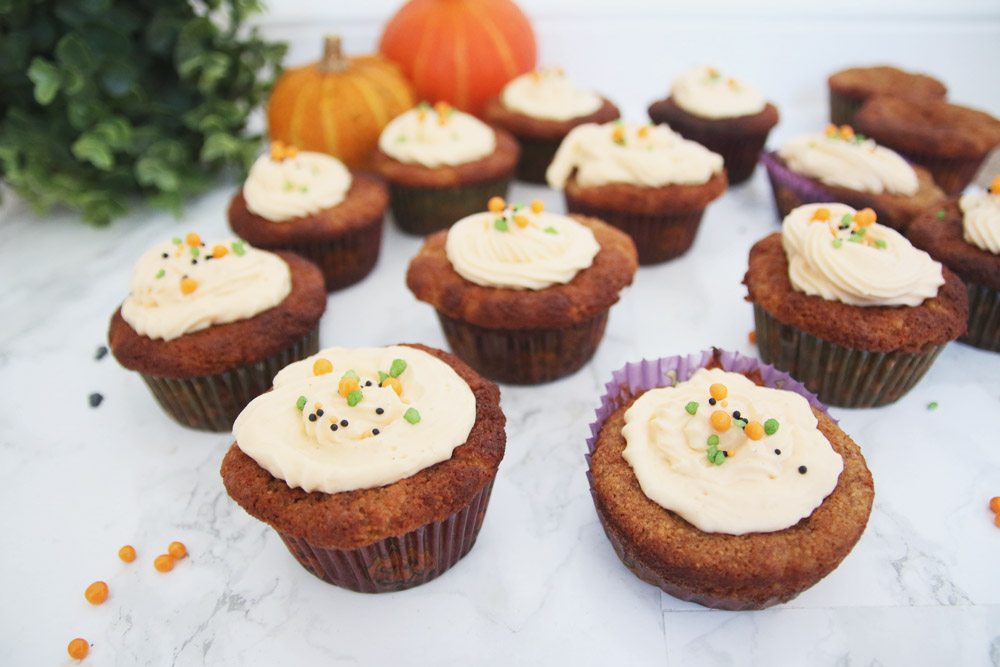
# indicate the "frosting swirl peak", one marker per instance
pixel 547 93
pixel 981 218
pixel 289 184
pixel 436 136
pixel 704 92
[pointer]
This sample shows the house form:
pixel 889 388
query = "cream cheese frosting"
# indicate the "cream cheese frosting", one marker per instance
pixel 547 93
pixel 981 219
pixel 643 155
pixel 437 136
pixel 334 422
pixel 841 158
pixel 283 185
pixel 520 247
pixel 843 255
pixel 722 475
pixel 704 92
pixel 187 285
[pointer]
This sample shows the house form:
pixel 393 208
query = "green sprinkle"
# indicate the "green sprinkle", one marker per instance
pixel 354 397
pixel 713 440
pixel 176 240
pixel 501 224
pixel 720 458
pixel 940 214
pixel 858 138
pixel 837 243
pixel 301 403
pixel 411 415
pixel 771 426
pixel 289 186
pixel 401 139
pixel 691 407
pixel 861 231
pixel 161 273
pixel 350 374
pixel 238 248
pixel 518 207
pixel 846 220
pixel 855 238
pixel 617 121
pixel 382 375
pixel 711 452
pixel 739 423
pixel 932 405
pixel 881 244
pixel 397 368
pixel 551 230
pixel 195 251
pixel 303 189
pixel 424 106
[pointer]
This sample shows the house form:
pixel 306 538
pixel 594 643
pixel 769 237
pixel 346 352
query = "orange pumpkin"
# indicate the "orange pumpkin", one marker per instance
pixel 460 51
pixel 338 105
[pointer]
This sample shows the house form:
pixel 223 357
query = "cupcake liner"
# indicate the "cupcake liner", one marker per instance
pixel 422 210
pixel 344 260
pixel 951 174
pixel 536 156
pixel 212 402
pixel 739 152
pixel 524 356
pixel 658 237
pixel 984 318
pixel 840 375
pixel 843 108
pixel 791 190
pixel 400 562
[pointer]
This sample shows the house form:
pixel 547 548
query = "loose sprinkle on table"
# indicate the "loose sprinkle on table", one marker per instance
pixel 177 550
pixel 96 593
pixel 127 553
pixel 164 563
pixel 95 399
pixel 995 504
pixel 932 405
pixel 102 352
pixel 78 649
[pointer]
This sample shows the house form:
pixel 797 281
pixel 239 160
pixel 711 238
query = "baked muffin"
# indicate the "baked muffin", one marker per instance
pixel 311 204
pixel 646 180
pixel 714 475
pixel 207 325
pixel 850 88
pixel 540 108
pixel 724 115
pixel 374 465
pixel 964 235
pixel 849 307
pixel 523 295
pixel 842 166
pixel 949 140
pixel 441 164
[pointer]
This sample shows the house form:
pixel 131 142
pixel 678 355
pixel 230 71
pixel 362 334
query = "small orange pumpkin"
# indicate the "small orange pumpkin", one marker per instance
pixel 338 105
pixel 460 51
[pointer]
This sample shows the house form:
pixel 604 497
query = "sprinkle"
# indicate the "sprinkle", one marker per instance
pixel 802 470
pixel 188 285
pixel 368 383
pixel 382 376
pixel 846 132
pixel 397 368
pixel 521 221
pixel 736 414
pixel 351 374
pixel 322 366
pixel 101 352
pixel 739 423
pixel 289 186
pixel 347 385
pixel 320 412
pixel 500 224
pixel 932 405
pixel 333 427
pixel 712 401
pixel 691 407
pixel 720 421
pixel 313 417
pixel 995 185
pixel 618 135
pixel 778 452
pixel 78 649
pixel 855 237
pixel 754 430
pixel 831 130
pixel 411 415
pixel 165 255
pixel 496 204
pixel 127 553
pixel 712 72
pixel 551 230
pixel 375 431
pixel 940 214
pixel 379 411
pixel 838 242
pixel 177 550
pixel 401 139
pixel 771 426
pixel 354 397
pixel 715 455
pixel 718 391
pixel 343 422
pixel 537 206
pixel 192 239
pixel 160 273
pixel 865 217
pixel 220 251
pixel 195 252
pixel 96 593
pixel 164 562
pixel 822 213
pixel 713 440
pixel 643 131
pixel 881 244
pixel 95 399
pixel 752 337
pixel 300 403
pixel 995 504
pixel 238 248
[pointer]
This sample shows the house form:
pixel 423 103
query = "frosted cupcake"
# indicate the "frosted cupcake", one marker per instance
pixel 441 164
pixel 644 179
pixel 540 108
pixel 727 116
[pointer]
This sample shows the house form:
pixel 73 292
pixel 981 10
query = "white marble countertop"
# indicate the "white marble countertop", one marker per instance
pixel 542 585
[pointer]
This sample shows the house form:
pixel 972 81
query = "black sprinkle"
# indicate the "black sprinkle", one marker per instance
pixel 725 453
pixel 95 399
pixel 778 452
pixel 844 227
pixel 368 384
pixel 333 427
pixel 711 401
pixel 379 411
pixel 374 431
pixel 802 470
pixel 208 257
pixel 319 413
pixel 102 352
pixel 736 414
pixel 312 417
pixel 165 255
pixel 343 422
pixel 194 261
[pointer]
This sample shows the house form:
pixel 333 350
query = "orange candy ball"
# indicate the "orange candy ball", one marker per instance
pixel 96 593
pixel 520 221
pixel 322 367
pixel 192 239
pixel 347 385
pixel 754 430
pixel 394 383
pixel 164 563
pixel 177 550
pixel 496 204
pixel 220 251
pixel 865 217
pixel 78 649
pixel 822 214
pixel 718 391
pixel 995 504
pixel 188 285
pixel 537 206
pixel 995 185
pixel 721 421
pixel 127 553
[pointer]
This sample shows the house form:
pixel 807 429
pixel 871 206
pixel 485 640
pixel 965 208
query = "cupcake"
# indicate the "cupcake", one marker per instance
pixel 311 204
pixel 840 165
pixel 207 325
pixel 726 116
pixel 540 108
pixel 964 235
pixel 851 88
pixel 523 295
pixel 374 465
pixel 849 307
pixel 949 140
pixel 723 481
pixel 644 179
pixel 441 164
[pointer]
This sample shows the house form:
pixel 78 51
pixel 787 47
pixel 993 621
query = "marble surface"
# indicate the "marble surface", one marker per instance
pixel 542 585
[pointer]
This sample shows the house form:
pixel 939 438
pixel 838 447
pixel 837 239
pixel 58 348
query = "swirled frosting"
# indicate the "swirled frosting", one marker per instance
pixel 841 158
pixel 436 136
pixel 520 248
pixel 547 93
pixel 187 285
pixel 704 92
pixel 281 188
pixel 833 252
pixel 643 155
pixel 739 484
pixel 315 434
pixel 981 219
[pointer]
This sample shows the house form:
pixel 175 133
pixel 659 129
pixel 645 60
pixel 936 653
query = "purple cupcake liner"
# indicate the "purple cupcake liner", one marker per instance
pixel 424 210
pixel 791 190
pixel 400 562
pixel 984 318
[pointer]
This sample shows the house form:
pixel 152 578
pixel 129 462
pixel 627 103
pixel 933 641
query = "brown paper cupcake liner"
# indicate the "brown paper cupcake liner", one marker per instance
pixel 536 156
pixel 344 260
pixel 524 356
pixel 951 174
pixel 842 108
pixel 984 318
pixel 212 402
pixel 840 375
pixel 420 210
pixel 739 152
pixel 397 563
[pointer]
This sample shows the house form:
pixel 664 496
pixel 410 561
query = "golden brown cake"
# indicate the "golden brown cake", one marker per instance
pixel 850 88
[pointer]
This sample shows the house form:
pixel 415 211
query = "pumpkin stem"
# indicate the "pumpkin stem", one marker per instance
pixel 333 60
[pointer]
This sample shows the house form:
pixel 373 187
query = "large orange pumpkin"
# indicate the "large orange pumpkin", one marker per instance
pixel 338 105
pixel 460 51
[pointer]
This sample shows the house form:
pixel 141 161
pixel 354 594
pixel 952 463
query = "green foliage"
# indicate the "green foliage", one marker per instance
pixel 106 100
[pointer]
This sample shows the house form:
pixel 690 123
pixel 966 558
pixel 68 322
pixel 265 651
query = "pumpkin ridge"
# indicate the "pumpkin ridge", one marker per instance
pixel 424 51
pixel 370 96
pixel 299 107
pixel 395 93
pixel 282 106
pixel 327 114
pixel 503 49
pixel 461 60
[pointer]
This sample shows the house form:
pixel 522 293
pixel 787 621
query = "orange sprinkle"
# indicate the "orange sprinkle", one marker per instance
pixel 718 391
pixel 192 239
pixel 752 336
pixel 995 504
pixel 865 217
pixel 421 115
pixel 643 131
pixel 618 134
pixel 220 251
pixel 846 132
pixel 754 430
pixel 995 185
pixel 721 421
pixel 731 82
pixel 712 71
pixel 96 593
pixel 317 406
pixel 442 107
pixel 177 550
pixel 127 553
pixel 277 150
pixel 521 221
pixel 394 383
pixel 822 213
pixel 188 285
pixel 496 204
pixel 536 76
pixel 78 649
pixel 347 385
pixel 322 367
pixel 164 563
pixel 831 130
pixel 996 520
pixel 537 206
pixel 291 150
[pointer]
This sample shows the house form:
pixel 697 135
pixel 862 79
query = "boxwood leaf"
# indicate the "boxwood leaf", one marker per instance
pixel 45 76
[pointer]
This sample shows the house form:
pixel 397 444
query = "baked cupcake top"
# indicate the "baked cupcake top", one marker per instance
pixel 436 136
pixel 839 157
pixel 841 254
pixel 547 93
pixel 704 92
pixel 348 419
pixel 643 155
pixel 981 218
pixel 519 247
pixel 287 183
pixel 185 285
pixel 730 456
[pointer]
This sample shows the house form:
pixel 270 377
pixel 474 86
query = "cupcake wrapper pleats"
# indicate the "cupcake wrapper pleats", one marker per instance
pixel 420 210
pixel 984 318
